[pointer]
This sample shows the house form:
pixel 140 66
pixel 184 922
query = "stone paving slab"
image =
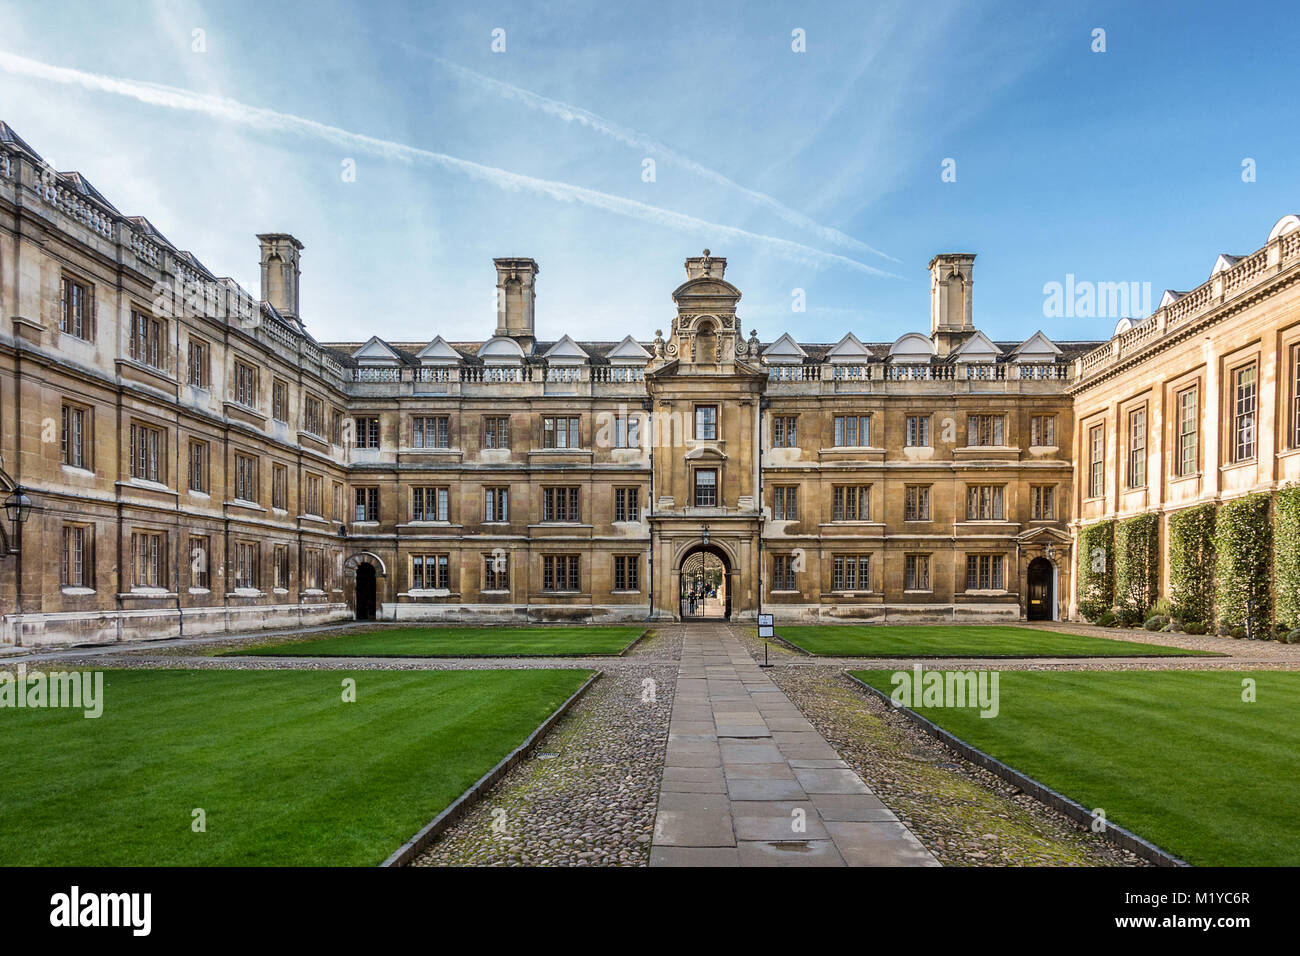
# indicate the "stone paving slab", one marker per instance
pixel 748 781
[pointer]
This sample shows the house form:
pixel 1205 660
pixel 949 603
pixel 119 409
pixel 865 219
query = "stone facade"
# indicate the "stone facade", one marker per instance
pixel 198 461
pixel 1200 402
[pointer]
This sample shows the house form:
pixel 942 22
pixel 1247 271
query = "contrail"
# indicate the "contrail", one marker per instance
pixel 170 97
pixel 630 137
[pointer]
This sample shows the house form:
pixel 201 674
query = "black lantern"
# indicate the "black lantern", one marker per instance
pixel 706 534
pixel 18 506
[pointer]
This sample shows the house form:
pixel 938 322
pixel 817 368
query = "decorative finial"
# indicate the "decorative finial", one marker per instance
pixel 706 253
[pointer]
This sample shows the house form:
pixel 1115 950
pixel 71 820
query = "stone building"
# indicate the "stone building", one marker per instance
pixel 1200 402
pixel 197 461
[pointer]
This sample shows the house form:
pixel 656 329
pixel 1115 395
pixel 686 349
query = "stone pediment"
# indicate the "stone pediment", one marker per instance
pixel 376 352
pixel 714 288
pixel 848 349
pixel 501 349
pixel 628 352
pixel 977 348
pixel 1044 535
pixel 566 352
pixel 911 347
pixel 784 351
pixel 1038 347
pixel 438 352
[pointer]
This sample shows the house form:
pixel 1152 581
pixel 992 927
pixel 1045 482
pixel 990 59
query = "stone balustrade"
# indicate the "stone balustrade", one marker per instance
pixel 1279 254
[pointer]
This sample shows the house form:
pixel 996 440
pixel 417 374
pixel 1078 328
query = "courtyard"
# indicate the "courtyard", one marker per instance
pixel 683 752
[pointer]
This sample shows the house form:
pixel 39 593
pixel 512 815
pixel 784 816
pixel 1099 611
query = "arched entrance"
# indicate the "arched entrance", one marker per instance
pixel 364 568
pixel 365 592
pixel 705 585
pixel 1042 590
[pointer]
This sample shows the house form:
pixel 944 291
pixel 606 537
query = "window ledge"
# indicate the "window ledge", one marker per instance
pixel 199 591
pixel 149 593
pixel 987 592
pixel 429 592
pixel 313 592
pixel 247 592
pixel 918 590
pixel 78 471
pixel 146 483
pixel 78 591
pixel 245 503
pixel 279 590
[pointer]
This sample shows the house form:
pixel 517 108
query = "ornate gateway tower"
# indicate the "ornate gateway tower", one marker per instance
pixel 705 398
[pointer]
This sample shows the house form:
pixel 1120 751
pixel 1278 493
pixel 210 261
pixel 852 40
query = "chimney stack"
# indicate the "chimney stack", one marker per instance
pixel 280 255
pixel 516 280
pixel 951 284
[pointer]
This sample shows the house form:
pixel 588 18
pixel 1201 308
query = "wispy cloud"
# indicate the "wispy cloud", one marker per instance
pixel 631 137
pixel 170 97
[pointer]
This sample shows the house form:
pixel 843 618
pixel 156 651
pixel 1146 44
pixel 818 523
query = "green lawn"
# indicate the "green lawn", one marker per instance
pixel 957 640
pixel 287 773
pixel 1175 756
pixel 540 641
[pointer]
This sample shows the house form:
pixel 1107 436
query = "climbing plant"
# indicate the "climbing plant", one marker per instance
pixel 1096 587
pixel 1137 566
pixel 1243 546
pixel 1191 564
pixel 1286 556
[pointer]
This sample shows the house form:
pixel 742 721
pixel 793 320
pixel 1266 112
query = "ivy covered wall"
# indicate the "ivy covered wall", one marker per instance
pixel 1096 585
pixel 1191 564
pixel 1286 556
pixel 1137 567
pixel 1243 546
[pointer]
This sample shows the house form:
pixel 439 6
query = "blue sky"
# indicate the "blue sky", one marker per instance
pixel 818 171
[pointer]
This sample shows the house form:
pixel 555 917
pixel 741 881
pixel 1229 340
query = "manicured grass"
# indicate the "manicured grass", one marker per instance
pixel 1175 756
pixel 540 641
pixel 286 771
pixel 957 640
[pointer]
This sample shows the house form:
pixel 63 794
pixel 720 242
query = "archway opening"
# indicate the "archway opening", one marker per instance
pixel 1042 596
pixel 365 592
pixel 705 585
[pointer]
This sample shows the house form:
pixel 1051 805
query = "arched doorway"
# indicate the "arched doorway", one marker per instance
pixel 365 592
pixel 705 585
pixel 1042 590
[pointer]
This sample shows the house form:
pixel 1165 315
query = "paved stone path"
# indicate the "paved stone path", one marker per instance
pixel 748 781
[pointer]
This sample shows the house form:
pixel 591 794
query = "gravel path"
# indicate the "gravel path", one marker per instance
pixel 963 814
pixel 587 795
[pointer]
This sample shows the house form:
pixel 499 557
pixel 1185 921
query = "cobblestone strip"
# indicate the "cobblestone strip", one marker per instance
pixel 963 814
pixel 587 795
